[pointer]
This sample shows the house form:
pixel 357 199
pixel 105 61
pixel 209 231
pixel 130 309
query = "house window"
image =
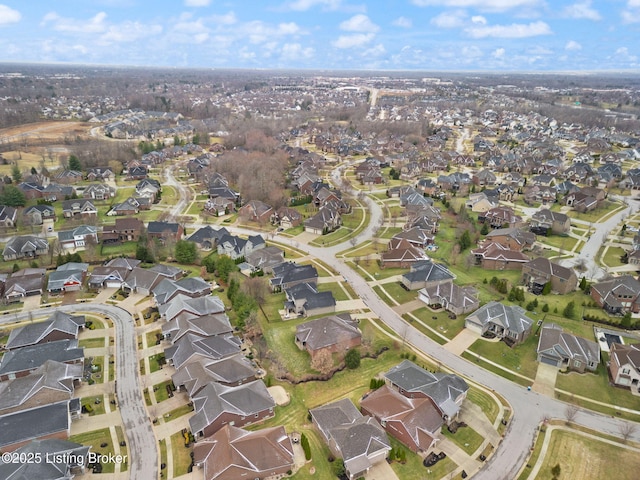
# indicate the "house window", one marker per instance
pixel 577 364
pixel 626 371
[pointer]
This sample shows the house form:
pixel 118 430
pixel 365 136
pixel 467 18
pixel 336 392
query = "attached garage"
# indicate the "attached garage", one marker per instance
pixel 474 327
pixel 548 360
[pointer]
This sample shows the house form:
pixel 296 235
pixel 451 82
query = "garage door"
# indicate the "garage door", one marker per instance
pixel 473 326
pixel 549 361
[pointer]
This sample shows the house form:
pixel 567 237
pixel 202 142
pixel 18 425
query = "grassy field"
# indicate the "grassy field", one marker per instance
pixel 334 287
pixel 395 291
pixel 586 458
pixel 96 409
pixel 488 405
pixel 564 243
pixel 612 257
pixel 160 391
pixel 413 469
pixel 533 458
pixel 604 210
pixel 374 270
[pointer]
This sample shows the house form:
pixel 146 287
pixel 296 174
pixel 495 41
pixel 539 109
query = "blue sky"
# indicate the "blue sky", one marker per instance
pixel 483 35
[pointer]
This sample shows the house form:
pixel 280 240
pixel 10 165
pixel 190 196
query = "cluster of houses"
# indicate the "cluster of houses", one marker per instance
pixel 41 367
pixel 412 406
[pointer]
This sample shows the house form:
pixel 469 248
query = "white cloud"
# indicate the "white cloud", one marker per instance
pixel 129 32
pixel 304 5
pixel 376 51
pixel 351 41
pixel 95 24
pixel 359 23
pixel 539 50
pixel 515 30
pixel 498 53
pixel 403 22
pixel 632 14
pixel 454 19
pixel 260 32
pixel 572 45
pixel 492 5
pixel 479 19
pixel 582 10
pixel 197 3
pixel 9 15
pixel 226 19
pixel 471 52
pixel 633 4
pixel 295 51
pixel 622 54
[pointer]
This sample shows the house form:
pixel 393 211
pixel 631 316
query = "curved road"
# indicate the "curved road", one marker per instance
pixel 529 408
pixel 138 429
pixel 181 190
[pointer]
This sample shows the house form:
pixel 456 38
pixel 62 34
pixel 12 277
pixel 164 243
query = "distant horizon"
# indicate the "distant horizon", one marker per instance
pixel 494 36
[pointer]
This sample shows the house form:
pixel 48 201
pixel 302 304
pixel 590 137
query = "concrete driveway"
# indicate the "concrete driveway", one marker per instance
pixel 462 341
pixel 381 471
pixel 31 303
pixel 545 381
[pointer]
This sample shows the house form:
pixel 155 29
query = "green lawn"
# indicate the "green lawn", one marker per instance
pixel 334 287
pixel 599 213
pixel 612 257
pixel 466 438
pixel 152 337
pixel 373 269
pixel 96 408
pixel 596 386
pixel 178 412
pixel 123 450
pixel 395 291
pixel 442 323
pixel 583 457
pixel 274 302
pixel 96 438
pixel 488 405
pixel 558 241
pixel 160 391
pixel 520 359
pixel 280 338
pixel 154 362
pixel 98 373
pixel 125 249
pixel 92 342
pixel 181 455
pixel 413 469
pixel 533 458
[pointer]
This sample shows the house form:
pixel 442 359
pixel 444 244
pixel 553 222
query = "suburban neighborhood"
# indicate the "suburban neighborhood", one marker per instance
pixel 419 289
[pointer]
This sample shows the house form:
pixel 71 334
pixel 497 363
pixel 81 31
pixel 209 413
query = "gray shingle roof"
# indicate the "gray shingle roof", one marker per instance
pixel 29 358
pixel 35 423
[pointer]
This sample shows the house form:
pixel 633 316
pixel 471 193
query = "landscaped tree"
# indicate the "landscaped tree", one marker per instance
pixel 569 310
pixel 546 290
pixel 352 359
pixel 555 471
pixel 186 252
pixel 545 308
pixel 584 285
pixel 626 320
pixel 224 266
pixel 465 240
pixel 304 443
pixel 74 163
pixel 485 228
pixel 12 196
pixel 16 174
pixel 337 467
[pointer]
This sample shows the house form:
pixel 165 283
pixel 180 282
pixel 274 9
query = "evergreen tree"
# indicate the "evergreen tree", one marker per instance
pixel 74 163
pixel 546 290
pixel 352 359
pixel 569 310
pixel 16 174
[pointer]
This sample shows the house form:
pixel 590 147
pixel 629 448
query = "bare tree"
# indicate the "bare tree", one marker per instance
pixel 570 413
pixel 322 361
pixel 627 429
pixel 256 288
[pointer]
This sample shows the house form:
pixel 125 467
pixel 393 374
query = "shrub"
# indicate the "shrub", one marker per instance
pixel 304 443
pixel 352 359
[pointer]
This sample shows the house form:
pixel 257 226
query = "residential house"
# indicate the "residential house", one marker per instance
pixel 426 273
pixel 131 206
pixel 256 211
pixel 59 326
pixel 73 460
pixel 219 206
pixel 446 391
pixel 232 453
pixel 618 295
pixel 236 247
pixel 453 298
pixel 304 299
pixel 23 361
pixel 192 287
pixel 624 365
pixel 415 422
pixel 68 177
pixel 7 216
pixel 401 254
pixel 67 278
pixel 45 422
pixel 54 191
pixel 79 237
pixel 99 191
pixel 481 202
pixel 564 350
pixel 230 371
pixel 495 256
pixel 207 237
pixel 509 323
pixel 217 405
pixel 359 440
pixel 287 217
pixel 427 186
pixel 326 220
pixel 141 280
pixel 545 219
pixel 191 347
pixel 128 229
pixel 183 305
pixel 107 277
pixel 80 207
pixel 512 238
pixel 416 236
pixel 24 283
pixel 207 325
pixel 25 246
pixel 148 187
pixel 165 231
pixel 289 274
pixel 100 173
pixel 500 217
pixel 264 259
pixel 38 214
pixel 334 333
pixel 139 172
pixel 541 271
